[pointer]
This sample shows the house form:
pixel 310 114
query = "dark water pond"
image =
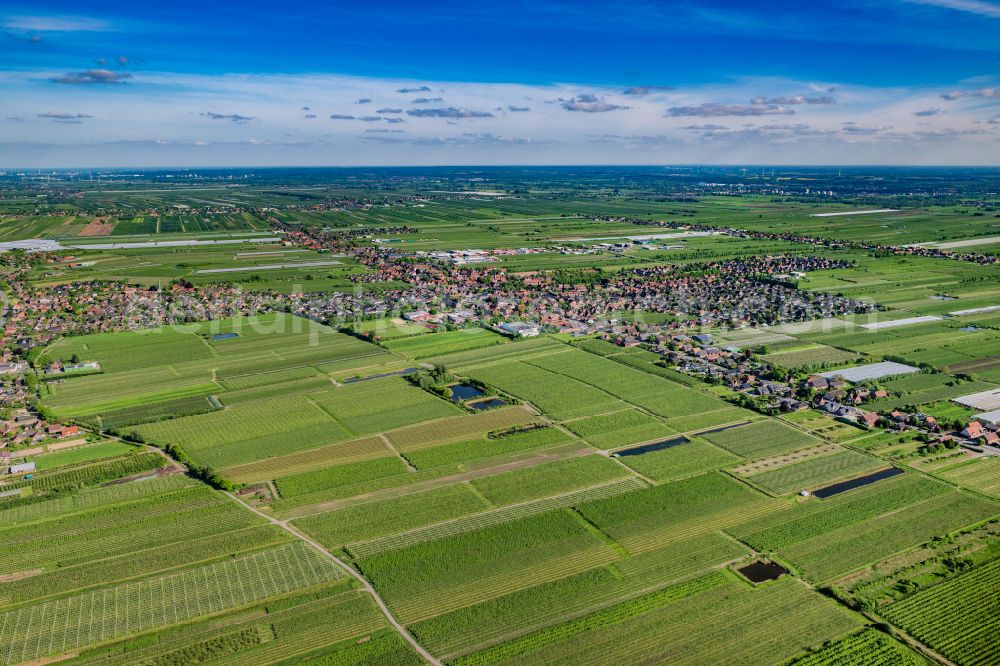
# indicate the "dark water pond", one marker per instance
pixel 225 336
pixel 355 380
pixel 850 484
pixel 711 431
pixel 758 572
pixel 461 392
pixel 492 403
pixel 655 446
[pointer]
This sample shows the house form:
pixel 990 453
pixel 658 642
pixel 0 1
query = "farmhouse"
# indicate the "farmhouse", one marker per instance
pixel 973 431
pixel 817 382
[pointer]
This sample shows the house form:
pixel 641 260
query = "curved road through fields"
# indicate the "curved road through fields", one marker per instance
pixel 283 524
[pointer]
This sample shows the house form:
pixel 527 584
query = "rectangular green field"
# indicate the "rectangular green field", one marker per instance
pixel 828 538
pixel 450 342
pixel 698 622
pixel 761 439
pixel 816 472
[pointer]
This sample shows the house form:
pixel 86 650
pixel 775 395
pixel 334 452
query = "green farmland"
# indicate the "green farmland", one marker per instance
pixel 330 483
pixel 461 521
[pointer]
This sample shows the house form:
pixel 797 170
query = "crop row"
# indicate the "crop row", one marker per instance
pixel 761 439
pixel 868 647
pixel 814 518
pixel 677 462
pixel 93 473
pixel 294 624
pixel 138 561
pixel 306 483
pixel 121 492
pixel 486 447
pixel 91 540
pixel 840 551
pixel 155 411
pixel 522 612
pixel 72 622
pixel 434 576
pixel 416 437
pixel 294 463
pixel 609 616
pixel 710 625
pixel 947 616
pixel 667 508
pixel 809 474
pixel 478 521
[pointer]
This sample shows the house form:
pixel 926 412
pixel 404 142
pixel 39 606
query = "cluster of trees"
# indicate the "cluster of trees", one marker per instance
pixel 204 472
pixel 435 380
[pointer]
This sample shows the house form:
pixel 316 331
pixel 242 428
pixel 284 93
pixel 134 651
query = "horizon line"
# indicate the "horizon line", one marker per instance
pixel 515 166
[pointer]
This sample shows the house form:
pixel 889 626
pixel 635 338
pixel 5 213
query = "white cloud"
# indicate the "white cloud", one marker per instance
pixel 980 7
pixel 56 24
pixel 716 110
pixel 476 125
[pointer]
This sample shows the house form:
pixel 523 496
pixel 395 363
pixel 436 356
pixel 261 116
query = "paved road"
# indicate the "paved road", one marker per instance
pixel 283 524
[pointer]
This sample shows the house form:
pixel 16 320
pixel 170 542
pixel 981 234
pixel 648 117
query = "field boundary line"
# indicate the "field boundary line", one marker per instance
pixel 636 473
pixel 350 570
pixel 512 508
pixel 450 440
pixel 311 364
pixel 622 551
pixel 902 635
pixel 536 457
pixel 475 491
pixel 640 408
pixel 597 606
pixel 385 440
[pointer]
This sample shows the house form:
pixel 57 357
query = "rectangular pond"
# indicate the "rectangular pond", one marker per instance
pixel 850 484
pixel 712 431
pixel 397 373
pixel 655 446
pixel 461 392
pixel 483 405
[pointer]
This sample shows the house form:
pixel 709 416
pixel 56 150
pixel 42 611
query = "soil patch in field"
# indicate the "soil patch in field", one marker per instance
pixel 99 226
pixel 19 575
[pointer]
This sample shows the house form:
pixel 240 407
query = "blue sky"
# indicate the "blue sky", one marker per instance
pixel 225 83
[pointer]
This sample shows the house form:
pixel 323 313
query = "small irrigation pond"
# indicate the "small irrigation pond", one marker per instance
pixel 760 572
pixel 462 392
pixel 483 405
pixel 857 482
pixel 649 448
